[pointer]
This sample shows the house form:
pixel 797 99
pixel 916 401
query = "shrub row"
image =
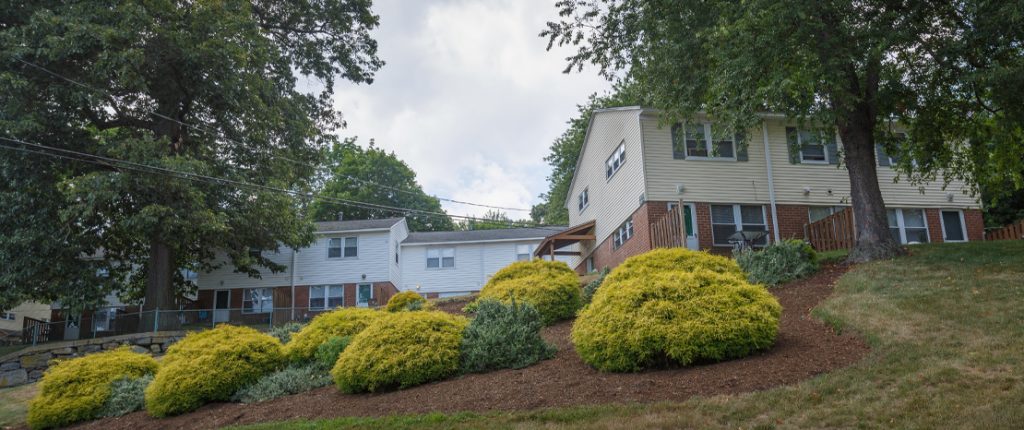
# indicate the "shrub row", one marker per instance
pixel 778 262
pixel 549 286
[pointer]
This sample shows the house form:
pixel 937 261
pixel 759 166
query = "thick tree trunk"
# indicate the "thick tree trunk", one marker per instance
pixel 873 240
pixel 159 302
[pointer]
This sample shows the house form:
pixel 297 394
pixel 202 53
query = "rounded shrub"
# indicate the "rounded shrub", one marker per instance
pixel 77 389
pixel 674 317
pixel 402 350
pixel 211 366
pixel 550 286
pixel 406 301
pixel 338 323
pixel 779 262
pixel 503 336
pixel 671 259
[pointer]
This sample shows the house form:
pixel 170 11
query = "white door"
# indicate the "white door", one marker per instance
pixel 364 292
pixel 221 306
pixel 71 327
pixel 691 227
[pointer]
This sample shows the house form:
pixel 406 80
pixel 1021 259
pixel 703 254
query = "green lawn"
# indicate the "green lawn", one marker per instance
pixel 947 329
pixel 14 404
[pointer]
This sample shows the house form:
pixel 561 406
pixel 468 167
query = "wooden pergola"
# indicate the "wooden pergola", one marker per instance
pixel 564 238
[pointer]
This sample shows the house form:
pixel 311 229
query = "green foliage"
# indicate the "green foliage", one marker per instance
pixel 327 354
pixel 658 315
pixel 352 169
pixel 672 259
pixel 338 323
pixel 284 332
pixel 406 301
pixel 76 390
pixel 401 350
pixel 503 336
pixel 778 263
pixel 550 286
pixel 293 379
pixel 211 366
pixel 227 70
pixel 127 395
pixel 592 286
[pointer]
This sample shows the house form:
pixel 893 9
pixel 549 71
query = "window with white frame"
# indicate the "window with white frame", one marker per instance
pixel 7 316
pixel 701 141
pixel 908 226
pixel 726 220
pixel 590 265
pixel 343 247
pixel 584 199
pixel 326 297
pixel 615 161
pixel 812 147
pixel 818 213
pixel 953 226
pixel 102 319
pixel 438 258
pixel 622 234
pixel 257 300
pixel 524 252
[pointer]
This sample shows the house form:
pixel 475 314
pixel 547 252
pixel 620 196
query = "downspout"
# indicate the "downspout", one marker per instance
pixel 771 182
pixel 294 251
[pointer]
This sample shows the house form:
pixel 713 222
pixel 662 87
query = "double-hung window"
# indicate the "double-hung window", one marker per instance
pixel 818 213
pixel 908 226
pixel 726 220
pixel 343 247
pixel 326 297
pixel 699 140
pixel 584 199
pixel 257 300
pixel 812 147
pixel 524 252
pixel 622 234
pixel 615 161
pixel 438 258
pixel 7 316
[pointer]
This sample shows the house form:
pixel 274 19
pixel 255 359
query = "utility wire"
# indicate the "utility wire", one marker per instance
pixel 221 136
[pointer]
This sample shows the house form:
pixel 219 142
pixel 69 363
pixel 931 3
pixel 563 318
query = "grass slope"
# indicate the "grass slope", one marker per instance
pixel 947 329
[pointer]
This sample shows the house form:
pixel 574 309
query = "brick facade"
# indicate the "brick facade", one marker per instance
pixel 382 292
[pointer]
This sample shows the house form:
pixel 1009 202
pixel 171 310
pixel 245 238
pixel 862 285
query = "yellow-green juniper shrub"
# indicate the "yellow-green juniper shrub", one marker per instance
pixel 549 286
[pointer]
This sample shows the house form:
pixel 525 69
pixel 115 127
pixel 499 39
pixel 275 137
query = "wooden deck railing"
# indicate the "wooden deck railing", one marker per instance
pixel 833 232
pixel 1013 231
pixel 667 232
pixel 35 331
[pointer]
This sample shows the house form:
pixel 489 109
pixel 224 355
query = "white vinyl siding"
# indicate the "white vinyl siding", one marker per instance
pixel 726 220
pixel 908 226
pixel 477 262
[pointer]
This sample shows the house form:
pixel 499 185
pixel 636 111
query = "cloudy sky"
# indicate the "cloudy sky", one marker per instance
pixel 469 97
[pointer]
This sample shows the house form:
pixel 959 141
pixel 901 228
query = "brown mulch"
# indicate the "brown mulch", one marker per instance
pixel 804 348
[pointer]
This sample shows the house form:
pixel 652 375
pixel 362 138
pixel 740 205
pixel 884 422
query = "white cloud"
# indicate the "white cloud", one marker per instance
pixel 469 97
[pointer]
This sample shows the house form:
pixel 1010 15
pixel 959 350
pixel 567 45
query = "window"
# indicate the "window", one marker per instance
pixel 953 226
pixel 254 253
pixel 590 265
pixel 812 147
pixel 622 234
pixel 524 252
pixel 907 226
pixel 326 297
pixel 615 160
pixel 7 316
pixel 700 141
pixel 818 213
pixel 728 219
pixel 347 247
pixel 440 258
pixel 257 301
pixel 584 199
pixel 102 319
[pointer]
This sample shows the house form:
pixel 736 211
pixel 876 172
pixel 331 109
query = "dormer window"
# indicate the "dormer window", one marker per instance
pixel 615 161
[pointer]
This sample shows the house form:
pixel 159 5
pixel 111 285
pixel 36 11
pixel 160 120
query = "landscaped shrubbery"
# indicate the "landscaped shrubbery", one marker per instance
pixel 285 331
pixel 779 262
pixel 503 336
pixel 401 350
pixel 339 323
pixel 127 395
pixel 293 379
pixel 550 286
pixel 592 286
pixel 406 301
pixel 327 354
pixel 657 314
pixel 211 366
pixel 77 389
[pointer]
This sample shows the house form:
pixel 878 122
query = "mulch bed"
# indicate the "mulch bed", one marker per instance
pixel 804 348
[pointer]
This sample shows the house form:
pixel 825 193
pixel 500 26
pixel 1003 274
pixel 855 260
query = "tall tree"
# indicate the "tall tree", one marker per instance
pixel 373 175
pixel 853 68
pixel 491 220
pixel 207 87
pixel 565 151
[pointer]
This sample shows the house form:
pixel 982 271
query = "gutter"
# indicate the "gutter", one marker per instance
pixel 771 183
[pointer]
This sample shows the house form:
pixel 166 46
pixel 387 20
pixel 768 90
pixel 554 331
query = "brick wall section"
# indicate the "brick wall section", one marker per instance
pixel 792 219
pixel 934 225
pixel 975 224
pixel 605 256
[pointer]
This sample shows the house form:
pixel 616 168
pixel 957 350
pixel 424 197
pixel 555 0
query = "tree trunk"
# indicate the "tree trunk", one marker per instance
pixel 873 240
pixel 159 302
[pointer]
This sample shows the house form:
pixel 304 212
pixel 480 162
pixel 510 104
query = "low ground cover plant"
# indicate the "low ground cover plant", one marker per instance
pixel 550 286
pixel 778 262
pixel 285 331
pixel 76 390
pixel 211 366
pixel 401 350
pixel 406 301
pixel 327 354
pixel 338 323
pixel 127 395
pixel 293 379
pixel 503 336
pixel 592 286
pixel 656 315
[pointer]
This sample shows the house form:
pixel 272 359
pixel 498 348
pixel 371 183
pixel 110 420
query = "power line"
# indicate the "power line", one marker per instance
pixel 146 168
pixel 220 135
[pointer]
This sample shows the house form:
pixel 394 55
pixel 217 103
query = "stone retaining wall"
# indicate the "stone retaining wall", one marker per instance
pixel 28 365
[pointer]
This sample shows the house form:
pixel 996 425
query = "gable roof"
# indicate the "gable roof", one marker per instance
pixel 586 138
pixel 356 224
pixel 481 235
